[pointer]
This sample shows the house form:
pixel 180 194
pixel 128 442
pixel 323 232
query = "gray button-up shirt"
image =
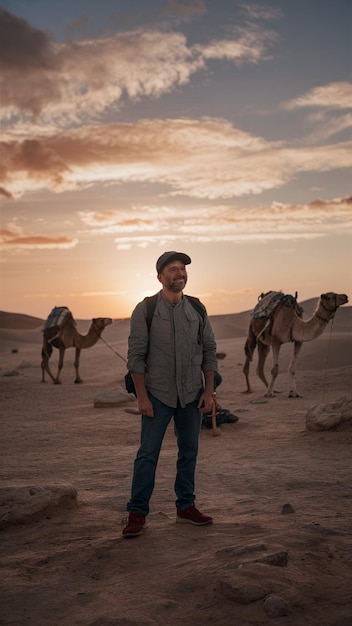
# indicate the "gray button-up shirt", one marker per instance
pixel 179 349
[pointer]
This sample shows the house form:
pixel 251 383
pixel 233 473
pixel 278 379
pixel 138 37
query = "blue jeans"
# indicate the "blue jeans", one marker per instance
pixel 187 426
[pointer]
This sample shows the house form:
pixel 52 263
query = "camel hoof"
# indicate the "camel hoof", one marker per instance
pixel 57 382
pixel 247 391
pixel 78 382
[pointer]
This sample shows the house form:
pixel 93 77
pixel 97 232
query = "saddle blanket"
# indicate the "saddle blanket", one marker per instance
pixel 267 303
pixel 56 316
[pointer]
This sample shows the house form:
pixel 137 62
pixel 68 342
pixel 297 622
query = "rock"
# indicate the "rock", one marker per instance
pixel 20 505
pixel 287 509
pixel 244 593
pixel 11 373
pixel 275 606
pixel 327 416
pixel 113 397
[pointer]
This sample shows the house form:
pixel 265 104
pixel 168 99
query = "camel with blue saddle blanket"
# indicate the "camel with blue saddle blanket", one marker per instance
pixel 60 332
pixel 277 319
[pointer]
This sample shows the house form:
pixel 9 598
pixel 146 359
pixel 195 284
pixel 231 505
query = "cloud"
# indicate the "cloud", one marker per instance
pixel 28 66
pixel 246 45
pixel 144 226
pixel 333 96
pixel 277 221
pixel 329 103
pixel 13 238
pixel 71 82
pixel 34 162
pixel 261 12
pixel 23 47
pixel 207 158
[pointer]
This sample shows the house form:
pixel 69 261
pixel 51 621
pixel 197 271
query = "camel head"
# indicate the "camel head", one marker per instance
pixel 99 323
pixel 331 301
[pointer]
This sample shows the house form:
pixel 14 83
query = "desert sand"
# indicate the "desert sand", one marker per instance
pixel 280 549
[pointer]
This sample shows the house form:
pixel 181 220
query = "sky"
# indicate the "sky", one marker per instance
pixel 219 128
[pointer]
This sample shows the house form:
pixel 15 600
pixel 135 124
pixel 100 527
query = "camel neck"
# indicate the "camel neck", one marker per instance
pixel 323 319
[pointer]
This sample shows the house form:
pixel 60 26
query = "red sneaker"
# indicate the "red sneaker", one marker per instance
pixel 193 516
pixel 134 526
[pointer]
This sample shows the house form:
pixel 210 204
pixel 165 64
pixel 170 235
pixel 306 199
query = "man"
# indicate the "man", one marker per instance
pixel 172 367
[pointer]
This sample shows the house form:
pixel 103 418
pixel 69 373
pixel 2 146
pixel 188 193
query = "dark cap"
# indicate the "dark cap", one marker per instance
pixel 167 257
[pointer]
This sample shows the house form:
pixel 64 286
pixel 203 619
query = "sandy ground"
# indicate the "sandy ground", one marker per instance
pixel 255 565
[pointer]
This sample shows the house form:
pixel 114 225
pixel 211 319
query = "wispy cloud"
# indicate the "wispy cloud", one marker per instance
pixel 14 238
pixel 333 96
pixel 143 226
pixel 223 223
pixel 248 44
pixel 331 106
pixel 206 158
pixel 69 82
pixel 259 11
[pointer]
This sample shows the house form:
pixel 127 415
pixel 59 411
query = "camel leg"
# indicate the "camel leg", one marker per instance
pixel 44 364
pixel 76 365
pixel 263 351
pixel 46 354
pixel 46 368
pixel 249 347
pixel 62 349
pixel 292 369
pixel 246 374
pixel 275 368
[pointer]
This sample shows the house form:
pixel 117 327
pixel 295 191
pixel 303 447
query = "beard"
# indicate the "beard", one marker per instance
pixel 176 284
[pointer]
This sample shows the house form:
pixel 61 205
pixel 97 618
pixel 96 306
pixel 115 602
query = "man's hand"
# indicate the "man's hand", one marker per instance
pixel 205 402
pixel 206 399
pixel 145 406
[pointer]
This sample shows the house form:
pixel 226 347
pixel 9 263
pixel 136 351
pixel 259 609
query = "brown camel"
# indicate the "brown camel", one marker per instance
pixel 65 336
pixel 283 326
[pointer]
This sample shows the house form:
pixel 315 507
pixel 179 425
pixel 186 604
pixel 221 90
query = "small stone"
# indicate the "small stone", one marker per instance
pixel 113 398
pixel 275 606
pixel 287 509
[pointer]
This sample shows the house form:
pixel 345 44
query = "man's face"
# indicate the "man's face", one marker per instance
pixel 173 276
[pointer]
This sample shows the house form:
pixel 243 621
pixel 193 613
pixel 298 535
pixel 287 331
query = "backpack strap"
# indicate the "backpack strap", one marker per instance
pixel 197 305
pixel 151 304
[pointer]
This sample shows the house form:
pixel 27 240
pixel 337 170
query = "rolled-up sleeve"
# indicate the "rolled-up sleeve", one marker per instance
pixel 209 348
